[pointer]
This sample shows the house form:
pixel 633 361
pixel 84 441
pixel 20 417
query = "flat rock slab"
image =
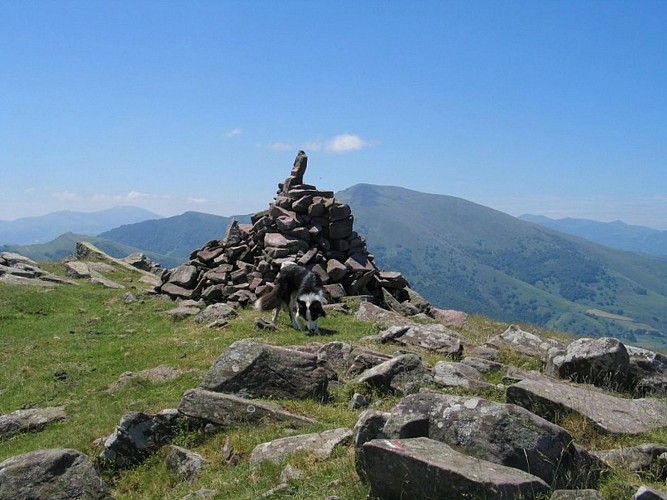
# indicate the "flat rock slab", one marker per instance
pixel 436 338
pixel 609 413
pixel 228 410
pixel 424 468
pixel 30 420
pixel 321 444
pixel 54 474
pixel 526 343
pixel 158 374
pixel 451 374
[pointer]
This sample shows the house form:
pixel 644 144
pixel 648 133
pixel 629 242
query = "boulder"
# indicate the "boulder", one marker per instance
pixel 261 370
pixel 77 269
pixel 215 312
pixel 529 344
pixel 602 362
pixel 642 458
pixel 501 433
pixel 450 317
pixel 187 464
pixel 436 338
pixel 403 375
pixel 319 444
pixel 139 435
pixel 370 313
pixel 424 468
pixel 227 410
pixel 30 420
pixel 56 474
pixel 609 413
pixel 587 494
pixel 646 493
pixel 449 374
pixel 647 372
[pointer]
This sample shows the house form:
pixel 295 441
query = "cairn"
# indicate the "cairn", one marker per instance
pixel 304 225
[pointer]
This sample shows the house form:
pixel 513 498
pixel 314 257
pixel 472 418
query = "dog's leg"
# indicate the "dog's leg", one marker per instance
pixel 276 311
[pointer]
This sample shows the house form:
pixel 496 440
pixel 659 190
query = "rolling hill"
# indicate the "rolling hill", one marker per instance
pixel 614 234
pixel 466 256
pixel 42 229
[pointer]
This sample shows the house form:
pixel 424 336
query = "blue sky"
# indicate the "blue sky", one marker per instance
pixel 555 108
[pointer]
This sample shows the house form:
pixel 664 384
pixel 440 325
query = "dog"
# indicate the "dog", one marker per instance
pixel 297 290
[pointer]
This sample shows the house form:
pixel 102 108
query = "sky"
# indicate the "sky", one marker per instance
pixel 555 108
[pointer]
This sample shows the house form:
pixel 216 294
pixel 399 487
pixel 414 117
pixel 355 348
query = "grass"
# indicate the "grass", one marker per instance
pixel 65 346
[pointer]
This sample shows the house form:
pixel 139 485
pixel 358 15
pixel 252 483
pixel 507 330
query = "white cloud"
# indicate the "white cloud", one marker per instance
pixel 281 146
pixel 345 142
pixel 197 201
pixel 66 196
pixel 311 146
pixel 234 132
pixel 29 190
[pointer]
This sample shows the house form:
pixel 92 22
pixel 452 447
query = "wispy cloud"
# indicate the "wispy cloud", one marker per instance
pixel 67 196
pixel 196 201
pixel 233 132
pixel 344 143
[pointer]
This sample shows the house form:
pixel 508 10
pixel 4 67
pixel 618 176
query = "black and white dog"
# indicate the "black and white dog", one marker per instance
pixel 298 291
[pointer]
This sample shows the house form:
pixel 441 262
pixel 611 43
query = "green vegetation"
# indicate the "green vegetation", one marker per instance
pixel 67 345
pixel 460 255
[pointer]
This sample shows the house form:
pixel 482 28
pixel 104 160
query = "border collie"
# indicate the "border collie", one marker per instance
pixel 298 291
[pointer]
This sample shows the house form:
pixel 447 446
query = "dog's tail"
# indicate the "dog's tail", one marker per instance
pixel 268 301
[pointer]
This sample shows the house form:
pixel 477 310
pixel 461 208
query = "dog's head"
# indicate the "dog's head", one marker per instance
pixel 310 307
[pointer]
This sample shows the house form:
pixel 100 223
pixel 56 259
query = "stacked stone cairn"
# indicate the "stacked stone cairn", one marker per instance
pixel 303 225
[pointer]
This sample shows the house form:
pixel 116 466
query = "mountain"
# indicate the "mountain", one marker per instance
pixel 615 234
pixel 31 230
pixel 465 256
pixel 65 245
pixel 174 237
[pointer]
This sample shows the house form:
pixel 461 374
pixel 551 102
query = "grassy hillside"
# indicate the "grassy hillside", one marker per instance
pixel 465 256
pixel 174 237
pixel 68 345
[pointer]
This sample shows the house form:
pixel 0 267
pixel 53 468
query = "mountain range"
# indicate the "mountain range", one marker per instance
pixel 459 255
pixel 614 234
pixel 42 229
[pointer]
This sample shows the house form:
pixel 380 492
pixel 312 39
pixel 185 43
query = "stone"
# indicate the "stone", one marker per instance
pixel 450 317
pixel 336 270
pixel 646 493
pixel 54 474
pixel 483 365
pixel 184 275
pixel 214 312
pixel 228 410
pixel 448 374
pixel 641 458
pixel 183 311
pixel 609 413
pixel 501 433
pixel 261 370
pixel 403 375
pixel 337 355
pixel 523 342
pixel 187 464
pixel 602 362
pixel 29 420
pixel 139 435
pixel 321 445
pixel 587 494
pixel 158 374
pixel 77 269
pixel 647 372
pixel 436 338
pixel 363 359
pixel 371 313
pixel 442 471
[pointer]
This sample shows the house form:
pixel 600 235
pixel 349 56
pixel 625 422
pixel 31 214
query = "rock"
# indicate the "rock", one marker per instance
pixel 214 312
pixel 228 410
pixel 608 413
pixel 30 420
pixel 54 474
pixel 321 445
pixel 576 495
pixel 641 458
pixel 260 370
pixel 483 365
pixel 363 359
pixel 371 313
pixel 138 435
pixel 646 493
pixel 529 344
pixel 337 355
pixel 450 317
pixel 183 311
pixel 449 374
pixel 442 472
pixel 602 362
pixel 358 401
pixel 97 279
pixel 158 374
pixel 403 375
pixel 77 269
pixel 436 338
pixel 647 372
pixel 185 463
pixel 501 433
